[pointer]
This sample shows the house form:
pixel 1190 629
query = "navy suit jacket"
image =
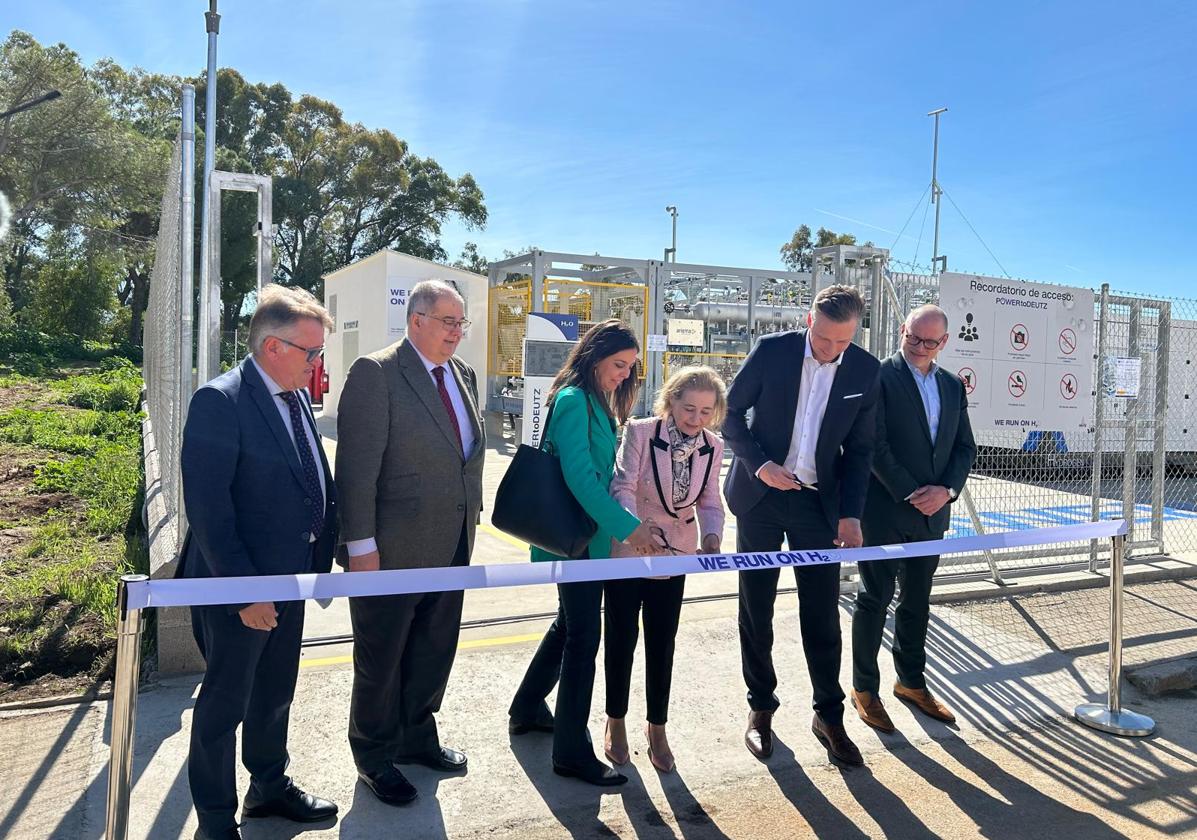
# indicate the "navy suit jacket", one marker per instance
pixel 905 458
pixel 767 385
pixel 248 509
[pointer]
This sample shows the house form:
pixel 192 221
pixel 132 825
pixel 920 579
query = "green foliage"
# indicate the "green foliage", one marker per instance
pixel 116 389
pixel 107 480
pixel 74 291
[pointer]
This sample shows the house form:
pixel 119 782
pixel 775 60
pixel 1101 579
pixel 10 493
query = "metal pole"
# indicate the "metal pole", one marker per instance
pixel 212 21
pixel 935 190
pixel 1110 716
pixel 186 281
pixel 1099 418
pixel 1160 423
pixel 124 710
pixel 671 253
pixel 1130 462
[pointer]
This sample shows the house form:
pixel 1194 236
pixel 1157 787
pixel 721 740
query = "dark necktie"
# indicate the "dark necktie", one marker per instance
pixel 311 478
pixel 439 373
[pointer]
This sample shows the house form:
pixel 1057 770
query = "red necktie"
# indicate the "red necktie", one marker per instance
pixel 439 373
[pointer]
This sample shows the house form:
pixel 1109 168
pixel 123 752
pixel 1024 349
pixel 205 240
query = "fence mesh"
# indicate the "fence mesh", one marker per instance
pixel 162 367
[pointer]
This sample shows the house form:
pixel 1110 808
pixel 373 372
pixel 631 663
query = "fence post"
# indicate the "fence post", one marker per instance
pixel 124 710
pixel 1110 716
pixel 1099 418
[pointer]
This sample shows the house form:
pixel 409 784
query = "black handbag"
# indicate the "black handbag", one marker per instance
pixel 534 504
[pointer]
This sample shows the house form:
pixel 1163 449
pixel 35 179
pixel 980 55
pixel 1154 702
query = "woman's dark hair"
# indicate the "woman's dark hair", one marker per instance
pixel 580 369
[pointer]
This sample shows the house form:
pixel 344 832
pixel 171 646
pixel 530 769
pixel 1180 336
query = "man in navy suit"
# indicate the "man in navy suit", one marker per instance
pixel 801 472
pixel 260 501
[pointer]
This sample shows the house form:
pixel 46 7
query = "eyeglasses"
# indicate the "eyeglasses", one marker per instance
pixel 313 353
pixel 929 343
pixel 450 322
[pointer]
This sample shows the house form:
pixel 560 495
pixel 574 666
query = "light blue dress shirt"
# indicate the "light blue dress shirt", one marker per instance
pixel 929 391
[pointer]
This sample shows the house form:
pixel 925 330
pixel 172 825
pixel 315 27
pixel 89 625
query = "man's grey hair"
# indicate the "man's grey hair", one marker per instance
pixel 923 311
pixel 425 294
pixel 281 307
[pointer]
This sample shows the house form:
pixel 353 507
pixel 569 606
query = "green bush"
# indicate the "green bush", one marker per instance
pixel 113 390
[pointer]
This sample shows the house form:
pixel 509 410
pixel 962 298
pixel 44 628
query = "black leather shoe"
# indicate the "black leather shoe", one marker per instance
pixel 759 736
pixel 227 834
pixel 542 722
pixel 596 774
pixel 294 805
pixel 834 737
pixel 445 759
pixel 389 785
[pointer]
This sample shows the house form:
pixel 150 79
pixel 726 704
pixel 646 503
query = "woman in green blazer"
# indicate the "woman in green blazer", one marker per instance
pixel 597 385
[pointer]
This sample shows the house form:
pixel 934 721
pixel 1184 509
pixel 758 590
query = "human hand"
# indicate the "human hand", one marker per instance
pixel 711 544
pixel 642 538
pixel 929 499
pixel 260 616
pixel 849 534
pixel 364 562
pixel 778 477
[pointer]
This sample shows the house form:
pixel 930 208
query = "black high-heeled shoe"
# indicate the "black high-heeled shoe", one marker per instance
pixel 597 774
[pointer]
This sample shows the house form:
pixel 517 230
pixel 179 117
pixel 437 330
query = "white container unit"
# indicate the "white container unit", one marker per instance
pixel 368 303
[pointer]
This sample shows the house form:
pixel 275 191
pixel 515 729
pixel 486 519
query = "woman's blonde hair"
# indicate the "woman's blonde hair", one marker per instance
pixel 693 378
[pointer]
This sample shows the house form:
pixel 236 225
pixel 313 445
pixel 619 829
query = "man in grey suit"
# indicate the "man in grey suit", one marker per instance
pixel 924 452
pixel 410 444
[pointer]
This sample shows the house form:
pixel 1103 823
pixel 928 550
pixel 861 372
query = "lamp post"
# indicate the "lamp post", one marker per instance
pixel 671 253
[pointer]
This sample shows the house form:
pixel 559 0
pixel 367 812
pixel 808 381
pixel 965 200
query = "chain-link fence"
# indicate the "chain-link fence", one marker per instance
pixel 163 368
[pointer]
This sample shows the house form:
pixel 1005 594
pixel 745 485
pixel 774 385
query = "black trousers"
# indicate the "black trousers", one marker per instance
pixel 878 580
pixel 798 516
pixel 661 601
pixel 567 654
pixel 249 681
pixel 403 651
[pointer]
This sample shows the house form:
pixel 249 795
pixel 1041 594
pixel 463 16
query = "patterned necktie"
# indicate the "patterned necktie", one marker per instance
pixel 439 373
pixel 310 477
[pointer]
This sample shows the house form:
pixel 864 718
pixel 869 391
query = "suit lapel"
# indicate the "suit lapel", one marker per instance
pixel 264 400
pixel 835 399
pixel 412 368
pixel 701 461
pixel 467 399
pixel 912 392
pixel 945 436
pixel 662 469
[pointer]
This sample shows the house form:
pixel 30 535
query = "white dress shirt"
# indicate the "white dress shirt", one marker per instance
pixel 813 391
pixel 357 548
pixel 285 412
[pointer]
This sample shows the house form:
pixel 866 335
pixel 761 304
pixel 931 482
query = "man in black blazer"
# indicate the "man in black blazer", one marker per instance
pixel 924 452
pixel 260 500
pixel 801 471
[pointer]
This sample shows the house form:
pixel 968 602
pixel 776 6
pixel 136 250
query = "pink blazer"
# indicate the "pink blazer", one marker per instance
pixel 643 484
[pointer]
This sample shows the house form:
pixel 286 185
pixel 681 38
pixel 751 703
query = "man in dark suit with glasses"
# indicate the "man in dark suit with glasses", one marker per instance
pixel 923 456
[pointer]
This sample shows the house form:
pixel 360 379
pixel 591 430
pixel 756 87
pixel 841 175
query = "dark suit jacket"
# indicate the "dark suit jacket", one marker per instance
pixel 904 458
pixel 248 508
pixel 767 385
pixel 400 470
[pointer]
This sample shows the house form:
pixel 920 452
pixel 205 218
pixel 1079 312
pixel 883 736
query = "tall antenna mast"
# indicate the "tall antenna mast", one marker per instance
pixel 936 192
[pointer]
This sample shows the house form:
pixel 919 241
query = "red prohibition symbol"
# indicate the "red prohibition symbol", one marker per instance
pixel 1068 388
pixel 969 377
pixel 1067 341
pixel 1017 383
pixel 1019 337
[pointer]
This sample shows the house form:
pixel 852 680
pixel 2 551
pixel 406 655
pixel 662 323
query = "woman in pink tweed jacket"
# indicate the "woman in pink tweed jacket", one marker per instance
pixel 667 474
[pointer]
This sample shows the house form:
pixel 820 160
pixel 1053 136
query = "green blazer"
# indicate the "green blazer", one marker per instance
pixel 585 443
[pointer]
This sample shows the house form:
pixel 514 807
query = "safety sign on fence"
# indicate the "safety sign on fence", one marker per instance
pixel 1023 350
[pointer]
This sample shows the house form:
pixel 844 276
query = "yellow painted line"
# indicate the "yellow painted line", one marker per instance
pixel 507 538
pixel 466 645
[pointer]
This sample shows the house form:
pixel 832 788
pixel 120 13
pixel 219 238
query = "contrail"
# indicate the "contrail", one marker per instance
pixel 862 223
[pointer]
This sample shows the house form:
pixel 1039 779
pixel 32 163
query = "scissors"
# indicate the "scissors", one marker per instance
pixel 658 534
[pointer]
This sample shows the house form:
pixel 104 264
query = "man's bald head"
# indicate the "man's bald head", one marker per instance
pixel 927 314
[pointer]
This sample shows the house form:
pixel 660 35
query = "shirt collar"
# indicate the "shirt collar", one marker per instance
pixel 916 372
pixel 271 386
pixel 429 366
pixel 806 354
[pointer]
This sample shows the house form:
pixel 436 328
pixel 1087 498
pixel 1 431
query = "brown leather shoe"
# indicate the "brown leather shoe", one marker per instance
pixel 759 737
pixel 868 706
pixel 922 700
pixel 834 737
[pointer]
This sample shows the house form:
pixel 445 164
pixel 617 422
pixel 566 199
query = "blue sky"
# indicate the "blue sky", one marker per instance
pixel 1068 143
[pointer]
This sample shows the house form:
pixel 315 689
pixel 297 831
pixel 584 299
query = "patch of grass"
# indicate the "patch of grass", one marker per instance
pixel 116 388
pixel 74 432
pixel 107 480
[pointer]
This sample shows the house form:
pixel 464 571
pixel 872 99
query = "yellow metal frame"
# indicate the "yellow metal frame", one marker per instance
pixel 696 358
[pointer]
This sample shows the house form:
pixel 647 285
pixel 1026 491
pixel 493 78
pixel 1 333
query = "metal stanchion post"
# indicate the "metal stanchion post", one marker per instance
pixel 1111 717
pixel 124 710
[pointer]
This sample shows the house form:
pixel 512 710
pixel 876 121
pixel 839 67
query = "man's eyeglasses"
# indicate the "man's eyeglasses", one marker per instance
pixel 313 353
pixel 450 322
pixel 929 343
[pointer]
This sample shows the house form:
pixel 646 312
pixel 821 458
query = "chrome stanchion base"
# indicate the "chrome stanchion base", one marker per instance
pixel 1123 722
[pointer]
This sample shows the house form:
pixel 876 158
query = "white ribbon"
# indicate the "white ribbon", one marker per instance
pixel 249 590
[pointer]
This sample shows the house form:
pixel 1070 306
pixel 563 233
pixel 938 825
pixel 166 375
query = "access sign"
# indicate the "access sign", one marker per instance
pixel 1025 351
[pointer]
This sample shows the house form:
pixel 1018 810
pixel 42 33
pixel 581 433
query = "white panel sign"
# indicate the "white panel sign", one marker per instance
pixel 1024 350
pixel 398 288
pixel 549 340
pixel 656 343
pixel 685 332
pixel 1126 374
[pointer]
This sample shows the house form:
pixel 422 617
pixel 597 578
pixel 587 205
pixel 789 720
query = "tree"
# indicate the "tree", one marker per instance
pixel 471 260
pixel 797 254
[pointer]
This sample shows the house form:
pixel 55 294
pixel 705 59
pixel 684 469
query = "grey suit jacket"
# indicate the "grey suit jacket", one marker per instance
pixel 401 477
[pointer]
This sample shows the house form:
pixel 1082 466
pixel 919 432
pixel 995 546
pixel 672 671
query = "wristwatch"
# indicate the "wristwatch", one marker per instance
pixel 952 493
